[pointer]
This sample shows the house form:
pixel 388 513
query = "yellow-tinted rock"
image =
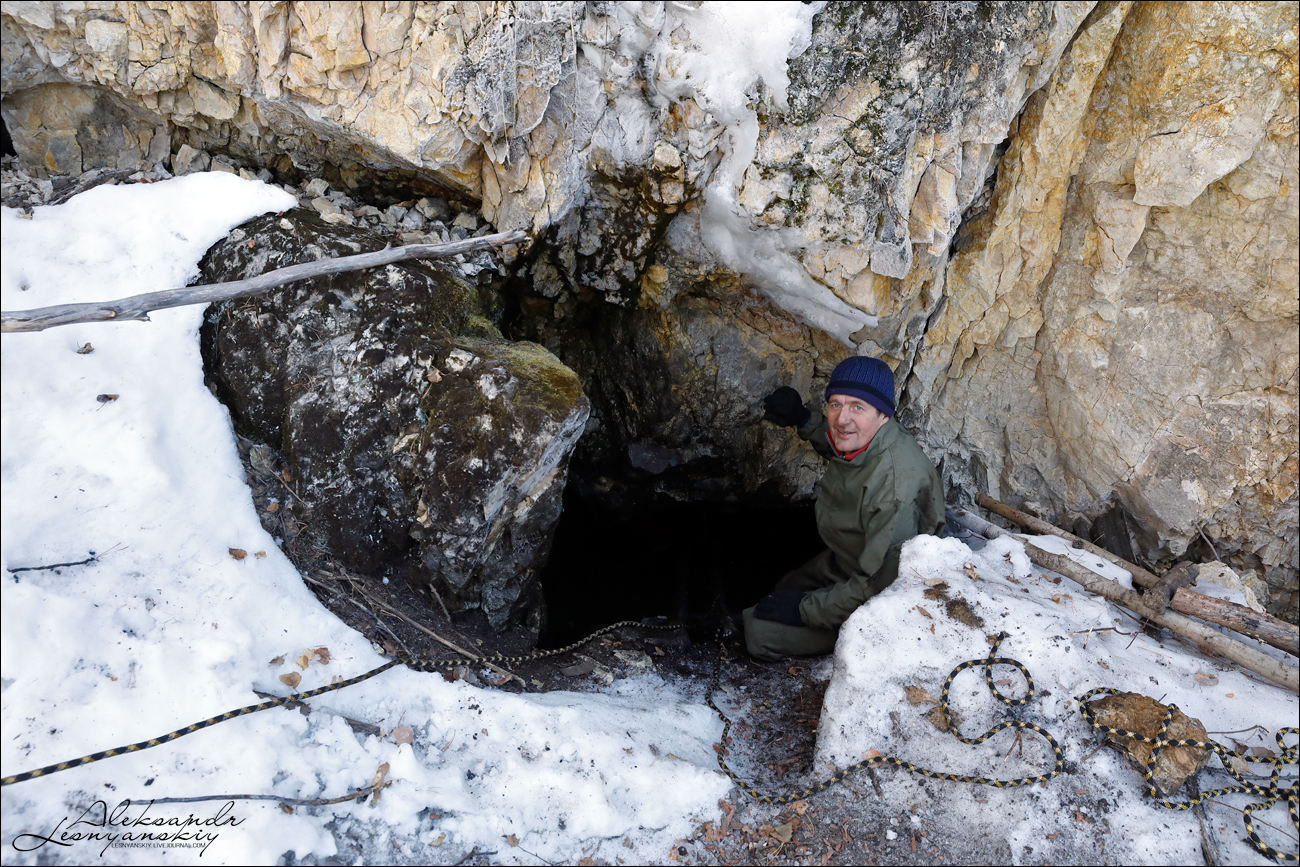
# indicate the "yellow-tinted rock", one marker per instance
pixel 1144 715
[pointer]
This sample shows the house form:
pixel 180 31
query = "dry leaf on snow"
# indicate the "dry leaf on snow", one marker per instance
pixel 512 840
pixel 916 695
pixel 381 773
pixel 238 553
pixel 936 718
pixel 403 735
pixel 292 679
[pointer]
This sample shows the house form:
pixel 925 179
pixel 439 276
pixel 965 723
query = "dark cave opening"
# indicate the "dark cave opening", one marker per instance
pixel 662 512
pixel 7 142
pixel 661 557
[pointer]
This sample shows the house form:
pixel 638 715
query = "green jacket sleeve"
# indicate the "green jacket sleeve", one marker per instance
pixel 886 528
pixel 814 432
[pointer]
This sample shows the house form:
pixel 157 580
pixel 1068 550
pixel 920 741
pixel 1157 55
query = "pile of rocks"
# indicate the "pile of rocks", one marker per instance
pixel 426 220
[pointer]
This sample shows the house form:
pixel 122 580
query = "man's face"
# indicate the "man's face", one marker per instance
pixel 853 422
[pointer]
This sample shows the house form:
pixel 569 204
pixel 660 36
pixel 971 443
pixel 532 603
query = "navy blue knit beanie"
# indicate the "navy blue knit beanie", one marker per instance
pixel 866 378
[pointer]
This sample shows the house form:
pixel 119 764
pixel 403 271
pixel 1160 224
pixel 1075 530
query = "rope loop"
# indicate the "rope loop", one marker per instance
pixel 880 761
pixel 1270 795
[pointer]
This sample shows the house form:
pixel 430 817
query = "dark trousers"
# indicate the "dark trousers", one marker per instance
pixel 769 641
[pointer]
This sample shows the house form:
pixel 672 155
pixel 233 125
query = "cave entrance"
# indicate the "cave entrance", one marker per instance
pixel 661 557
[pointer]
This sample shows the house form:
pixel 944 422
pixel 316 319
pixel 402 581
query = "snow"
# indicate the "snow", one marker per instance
pixel 717 54
pixel 1055 630
pixel 167 627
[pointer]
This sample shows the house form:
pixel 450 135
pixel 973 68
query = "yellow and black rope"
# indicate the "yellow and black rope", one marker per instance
pixel 879 761
pixel 1269 795
pixel 418 664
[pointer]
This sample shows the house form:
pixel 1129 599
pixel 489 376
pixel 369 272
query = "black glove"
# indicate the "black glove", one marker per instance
pixel 781 606
pixel 785 407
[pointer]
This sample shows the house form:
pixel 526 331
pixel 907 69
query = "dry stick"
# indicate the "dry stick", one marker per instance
pixel 1024 519
pixel 304 802
pixel 15 569
pixel 1264 627
pixel 436 637
pixel 347 598
pixel 1229 648
pixel 138 307
pixel 1248 621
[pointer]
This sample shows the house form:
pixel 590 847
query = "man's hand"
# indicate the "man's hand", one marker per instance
pixel 785 407
pixel 781 607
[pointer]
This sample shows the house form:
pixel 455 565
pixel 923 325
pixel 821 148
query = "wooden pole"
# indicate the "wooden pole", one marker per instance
pixel 1229 648
pixel 1265 627
pixel 1038 525
pixel 1247 621
pixel 138 307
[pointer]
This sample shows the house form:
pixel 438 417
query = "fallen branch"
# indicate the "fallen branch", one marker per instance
pixel 15 569
pixel 138 307
pixel 1038 525
pixel 304 802
pixel 346 598
pixel 1247 621
pixel 1205 636
pixel 470 657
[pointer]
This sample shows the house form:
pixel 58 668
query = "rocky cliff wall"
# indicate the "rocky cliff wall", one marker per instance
pixel 1070 227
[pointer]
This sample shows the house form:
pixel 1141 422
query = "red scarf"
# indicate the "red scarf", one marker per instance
pixel 840 454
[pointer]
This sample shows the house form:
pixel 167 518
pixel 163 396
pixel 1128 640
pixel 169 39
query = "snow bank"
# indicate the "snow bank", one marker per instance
pixel 904 637
pixel 167 627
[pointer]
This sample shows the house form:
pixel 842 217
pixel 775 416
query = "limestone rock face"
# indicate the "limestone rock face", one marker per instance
pixel 1070 228
pixel 420 441
pixel 1123 321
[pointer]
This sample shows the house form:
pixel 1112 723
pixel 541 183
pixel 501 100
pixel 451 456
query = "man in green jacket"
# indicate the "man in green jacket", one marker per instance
pixel 879 490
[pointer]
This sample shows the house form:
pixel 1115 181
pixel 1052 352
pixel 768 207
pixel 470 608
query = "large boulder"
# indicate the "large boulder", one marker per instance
pixel 421 442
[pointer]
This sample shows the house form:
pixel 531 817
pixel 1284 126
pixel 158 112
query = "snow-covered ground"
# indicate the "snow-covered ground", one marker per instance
pixel 166 627
pixel 1071 642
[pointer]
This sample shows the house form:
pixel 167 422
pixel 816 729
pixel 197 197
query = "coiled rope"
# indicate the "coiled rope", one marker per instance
pixel 1269 795
pixel 877 761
